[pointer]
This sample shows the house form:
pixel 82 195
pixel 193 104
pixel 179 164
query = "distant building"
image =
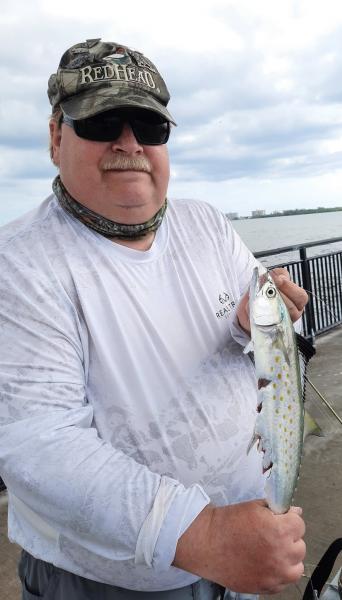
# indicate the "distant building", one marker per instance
pixel 232 215
pixel 258 213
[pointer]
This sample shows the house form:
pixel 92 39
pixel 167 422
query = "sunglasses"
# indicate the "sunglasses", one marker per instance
pixel 149 127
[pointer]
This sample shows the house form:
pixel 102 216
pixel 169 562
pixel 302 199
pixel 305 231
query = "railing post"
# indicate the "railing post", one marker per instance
pixel 309 309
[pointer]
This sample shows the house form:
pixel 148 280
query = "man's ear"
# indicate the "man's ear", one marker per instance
pixel 55 141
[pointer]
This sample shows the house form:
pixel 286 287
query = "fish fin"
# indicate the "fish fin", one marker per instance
pixel 255 438
pixel 305 347
pixel 267 464
pixel 249 347
pixel 311 427
pixel 262 383
pixel 281 345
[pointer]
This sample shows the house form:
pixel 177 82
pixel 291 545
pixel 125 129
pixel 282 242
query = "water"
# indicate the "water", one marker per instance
pixel 264 234
pixel 275 232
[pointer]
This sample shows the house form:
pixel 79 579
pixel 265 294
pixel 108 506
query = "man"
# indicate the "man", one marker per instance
pixel 127 404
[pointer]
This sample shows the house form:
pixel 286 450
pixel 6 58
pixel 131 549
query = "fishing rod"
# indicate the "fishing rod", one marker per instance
pixel 323 399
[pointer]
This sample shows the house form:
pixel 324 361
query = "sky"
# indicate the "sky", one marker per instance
pixel 256 91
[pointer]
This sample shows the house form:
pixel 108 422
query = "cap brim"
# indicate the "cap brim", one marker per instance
pixel 81 106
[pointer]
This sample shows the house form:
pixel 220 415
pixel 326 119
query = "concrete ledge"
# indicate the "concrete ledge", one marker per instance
pixel 3 499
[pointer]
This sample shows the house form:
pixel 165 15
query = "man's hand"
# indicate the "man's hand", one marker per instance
pixel 294 297
pixel 244 547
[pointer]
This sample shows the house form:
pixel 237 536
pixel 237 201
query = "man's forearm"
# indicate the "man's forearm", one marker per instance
pixel 244 547
pixel 193 545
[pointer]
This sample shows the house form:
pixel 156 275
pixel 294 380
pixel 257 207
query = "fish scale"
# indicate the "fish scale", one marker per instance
pixel 280 420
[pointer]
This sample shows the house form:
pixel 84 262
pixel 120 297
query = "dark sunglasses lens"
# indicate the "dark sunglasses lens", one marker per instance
pixel 150 133
pixel 149 128
pixel 100 128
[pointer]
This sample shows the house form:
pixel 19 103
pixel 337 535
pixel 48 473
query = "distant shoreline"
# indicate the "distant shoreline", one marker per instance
pixel 291 213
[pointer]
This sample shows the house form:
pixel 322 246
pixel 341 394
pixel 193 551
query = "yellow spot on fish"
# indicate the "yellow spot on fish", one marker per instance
pixel 277 359
pixel 287 375
pixel 289 406
pixel 279 375
pixel 274 385
pixel 281 397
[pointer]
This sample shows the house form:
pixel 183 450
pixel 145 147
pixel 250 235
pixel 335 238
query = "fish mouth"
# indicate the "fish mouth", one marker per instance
pixel 259 278
pixel 266 326
pixel 264 276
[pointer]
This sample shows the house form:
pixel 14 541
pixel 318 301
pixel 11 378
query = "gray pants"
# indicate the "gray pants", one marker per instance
pixel 45 581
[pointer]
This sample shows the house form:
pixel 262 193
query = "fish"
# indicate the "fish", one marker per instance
pixel 279 425
pixel 311 427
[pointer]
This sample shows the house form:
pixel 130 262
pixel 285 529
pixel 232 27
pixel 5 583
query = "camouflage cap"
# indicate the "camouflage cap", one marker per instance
pixel 96 76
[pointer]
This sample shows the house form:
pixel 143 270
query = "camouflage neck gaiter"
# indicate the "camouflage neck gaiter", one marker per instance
pixel 101 224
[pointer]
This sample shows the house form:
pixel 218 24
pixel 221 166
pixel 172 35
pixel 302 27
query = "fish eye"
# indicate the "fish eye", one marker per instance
pixel 271 292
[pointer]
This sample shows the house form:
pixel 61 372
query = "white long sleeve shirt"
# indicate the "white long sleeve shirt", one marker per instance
pixel 125 403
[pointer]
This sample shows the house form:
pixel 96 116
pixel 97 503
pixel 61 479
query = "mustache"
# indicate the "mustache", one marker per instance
pixel 126 163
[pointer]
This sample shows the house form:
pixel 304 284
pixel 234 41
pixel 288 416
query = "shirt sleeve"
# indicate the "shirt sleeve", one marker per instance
pixel 51 456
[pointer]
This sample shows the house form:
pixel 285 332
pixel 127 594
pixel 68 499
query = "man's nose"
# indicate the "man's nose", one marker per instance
pixel 126 142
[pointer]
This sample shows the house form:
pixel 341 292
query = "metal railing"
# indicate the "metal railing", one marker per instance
pixel 321 276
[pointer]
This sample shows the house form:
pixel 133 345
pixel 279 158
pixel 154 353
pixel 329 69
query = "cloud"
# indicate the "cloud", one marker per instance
pixel 24 163
pixel 271 142
pixel 255 86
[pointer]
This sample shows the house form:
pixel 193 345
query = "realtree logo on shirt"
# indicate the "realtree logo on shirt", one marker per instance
pixel 227 305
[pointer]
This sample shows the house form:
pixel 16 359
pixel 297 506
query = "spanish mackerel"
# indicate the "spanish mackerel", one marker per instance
pixel 280 421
